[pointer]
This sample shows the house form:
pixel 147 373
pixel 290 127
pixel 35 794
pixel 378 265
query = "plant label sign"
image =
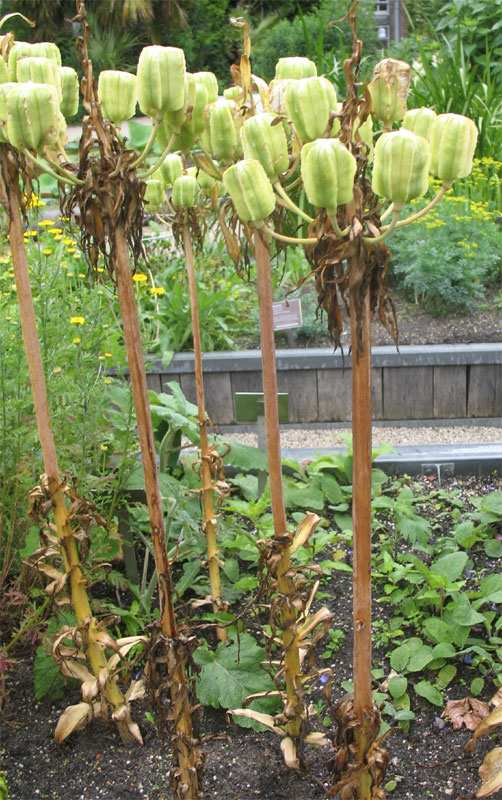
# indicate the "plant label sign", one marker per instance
pixel 287 314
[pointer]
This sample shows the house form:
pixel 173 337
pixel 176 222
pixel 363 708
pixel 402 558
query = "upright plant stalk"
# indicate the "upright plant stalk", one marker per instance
pixel 292 666
pixel 210 527
pixel 361 516
pixel 94 650
pixel 185 778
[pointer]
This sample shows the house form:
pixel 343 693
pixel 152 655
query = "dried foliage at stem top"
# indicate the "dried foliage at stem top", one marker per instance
pixel 111 192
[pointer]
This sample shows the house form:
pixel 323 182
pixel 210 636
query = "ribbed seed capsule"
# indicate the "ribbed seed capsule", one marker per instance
pixel 401 167
pixel 250 190
pixel 4 72
pixel 69 88
pixel 39 69
pixel 222 130
pixel 161 80
pixel 453 142
pixel 419 121
pixel 28 49
pixel 5 88
pixel 232 93
pixel 328 170
pixel 185 192
pixel 308 103
pixel 204 180
pixel 295 67
pixel 170 169
pixel 117 95
pixel 155 195
pixel 266 143
pixel 389 89
pixel 32 115
pixel 192 127
pixel 209 80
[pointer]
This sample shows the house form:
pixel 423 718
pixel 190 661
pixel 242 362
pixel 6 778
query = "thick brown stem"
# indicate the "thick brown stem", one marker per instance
pixel 187 780
pixel 210 527
pixel 292 656
pixel 94 651
pixel 361 504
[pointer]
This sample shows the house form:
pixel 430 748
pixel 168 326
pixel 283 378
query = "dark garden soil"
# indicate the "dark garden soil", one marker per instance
pixel 416 325
pixel 426 762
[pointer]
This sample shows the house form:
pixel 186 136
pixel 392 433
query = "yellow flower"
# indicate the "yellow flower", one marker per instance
pixel 108 380
pixel 77 320
pixel 75 255
pixel 76 340
pixel 68 241
pixel 57 369
pixel 108 355
pixel 104 446
pixel 45 222
pixel 4 260
pixel 140 277
pixel 81 274
pixel 47 251
pixel 158 290
pixel 71 250
pixel 58 237
pixel 54 230
pixel 100 269
pixel 70 274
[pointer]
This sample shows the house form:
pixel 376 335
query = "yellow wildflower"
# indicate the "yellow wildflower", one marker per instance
pixel 140 277
pixel 158 290
pixel 77 320
pixel 47 251
pixel 57 369
pixel 108 380
pixel 76 340
pixel 45 222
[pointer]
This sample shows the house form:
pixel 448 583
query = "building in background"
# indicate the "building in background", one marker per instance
pixel 391 20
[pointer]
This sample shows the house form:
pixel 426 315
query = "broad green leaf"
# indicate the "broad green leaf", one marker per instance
pixel 477 685
pixel 232 672
pixel 464 534
pixel 437 630
pixel 231 569
pixel 397 686
pixel 190 571
pixel 491 588
pixel 493 548
pixel 443 650
pixel 419 659
pixel 451 566
pixel 399 658
pixel 445 676
pixel 307 497
pixel 246 458
pixel 427 690
pixel 463 613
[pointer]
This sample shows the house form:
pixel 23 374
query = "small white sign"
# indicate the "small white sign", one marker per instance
pixel 287 314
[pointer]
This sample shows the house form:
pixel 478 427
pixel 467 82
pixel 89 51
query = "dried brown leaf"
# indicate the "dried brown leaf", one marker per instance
pixel 288 748
pixel 72 719
pixel 303 531
pixel 468 711
pixel 486 724
pixel 490 773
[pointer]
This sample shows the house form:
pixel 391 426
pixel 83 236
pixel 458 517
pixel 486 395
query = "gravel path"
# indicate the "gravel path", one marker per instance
pixel 332 437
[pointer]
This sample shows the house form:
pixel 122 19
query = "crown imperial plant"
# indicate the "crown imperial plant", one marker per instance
pixel 453 141
pixel 389 89
pixel 161 80
pixel 267 143
pixel 295 67
pixel 117 95
pixel 32 115
pixel 328 170
pixel 308 103
pixel 419 121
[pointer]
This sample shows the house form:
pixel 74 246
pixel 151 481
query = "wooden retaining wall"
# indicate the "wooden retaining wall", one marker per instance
pixel 428 382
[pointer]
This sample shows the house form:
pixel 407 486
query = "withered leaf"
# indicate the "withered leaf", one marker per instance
pixel 490 773
pixel 468 711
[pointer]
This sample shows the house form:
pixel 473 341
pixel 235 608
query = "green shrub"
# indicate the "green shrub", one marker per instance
pixel 450 257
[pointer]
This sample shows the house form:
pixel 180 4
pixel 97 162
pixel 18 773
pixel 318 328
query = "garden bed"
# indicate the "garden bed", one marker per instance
pixel 427 761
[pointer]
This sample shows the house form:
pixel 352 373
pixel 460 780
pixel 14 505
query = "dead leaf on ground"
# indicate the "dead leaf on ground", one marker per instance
pixel 490 773
pixel 468 711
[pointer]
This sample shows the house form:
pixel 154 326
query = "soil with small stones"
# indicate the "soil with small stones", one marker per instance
pixel 426 762
pixel 416 325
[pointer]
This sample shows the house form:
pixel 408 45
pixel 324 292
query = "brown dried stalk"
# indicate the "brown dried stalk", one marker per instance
pixel 210 526
pixel 52 486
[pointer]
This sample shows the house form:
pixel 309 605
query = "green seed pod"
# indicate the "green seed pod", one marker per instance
pixel 32 115
pixel 389 89
pixel 176 119
pixel 4 72
pixel 117 95
pixel 69 87
pixel 266 143
pixel 155 195
pixel 39 69
pixel 185 192
pixel 27 49
pixel 453 142
pixel 401 167
pixel 328 170
pixel 5 88
pixel 232 93
pixel 170 169
pixel 204 180
pixel 193 126
pixel 161 80
pixel 222 129
pixel 209 80
pixel 308 103
pixel 250 190
pixel 419 121
pixel 295 67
